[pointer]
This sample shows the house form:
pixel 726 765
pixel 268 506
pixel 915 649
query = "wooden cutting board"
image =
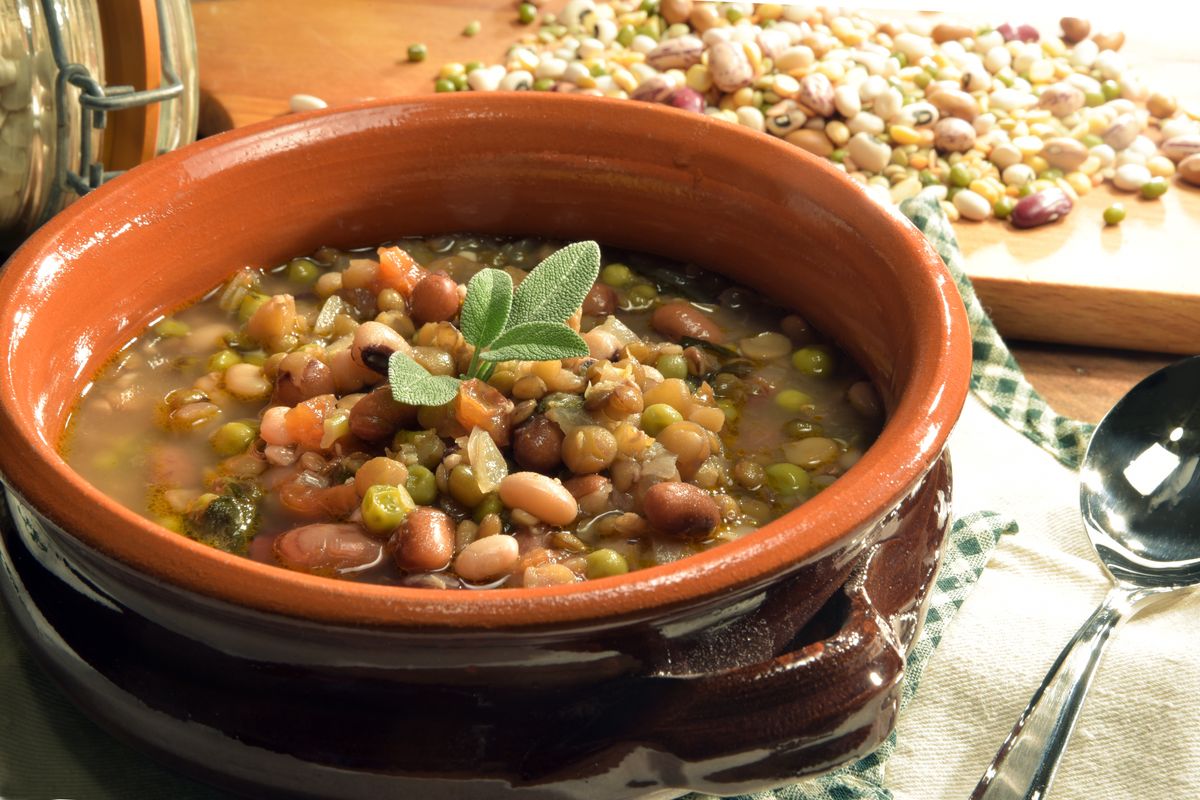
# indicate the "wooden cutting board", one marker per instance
pixel 1134 286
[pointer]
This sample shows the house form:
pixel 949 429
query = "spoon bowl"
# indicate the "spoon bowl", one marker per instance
pixel 1139 495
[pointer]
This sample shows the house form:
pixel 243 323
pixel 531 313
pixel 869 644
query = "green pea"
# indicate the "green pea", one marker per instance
pixel 255 357
pixel 491 504
pixel 814 360
pixel 927 178
pixel 428 445
pixel 961 176
pixel 1154 188
pixel 543 84
pixel 417 52
pixel 170 327
pixel 1026 190
pixel 787 478
pixel 606 562
pixel 616 275
pixel 733 14
pixel 1114 214
pixel 473 27
pixel 444 85
pixel 650 6
pixel 421 485
pixel 463 486
pixel 1004 78
pixel 303 271
pixel 922 79
pixel 597 70
pixel 460 82
pixel 471 66
pixel 232 438
pixel 526 13
pixel 223 360
pixel 1051 174
pixel 793 400
pixel 903 59
pixel 672 365
pixel 383 508
pixel 1093 99
pixel 900 159
pixel 1111 89
pixel 625 35
pixel 659 416
pixel 1003 207
pixel 1090 140
pixel 642 295
pixel 250 303
pixel 838 155
pixel 802 429
pixel 651 28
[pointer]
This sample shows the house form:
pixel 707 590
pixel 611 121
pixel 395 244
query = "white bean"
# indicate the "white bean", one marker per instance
pixel 273 428
pixel 539 495
pixel 972 205
pixel 1131 177
pixel 868 153
pixel 487 558
pixel 247 382
pixel 305 102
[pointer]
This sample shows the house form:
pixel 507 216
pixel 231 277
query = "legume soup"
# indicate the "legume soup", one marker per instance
pixel 260 420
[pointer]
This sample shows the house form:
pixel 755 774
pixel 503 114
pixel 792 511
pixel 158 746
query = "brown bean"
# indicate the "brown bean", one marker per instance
pixel 1109 41
pixel 679 319
pixel 434 298
pixel 1074 29
pixel 600 300
pixel 592 493
pixel 327 549
pixel 424 541
pixel 949 32
pixel 537 445
pixel 1189 169
pixel 681 509
pixel 301 376
pixel 379 415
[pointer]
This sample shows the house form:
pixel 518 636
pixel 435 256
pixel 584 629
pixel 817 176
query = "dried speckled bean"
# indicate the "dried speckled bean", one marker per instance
pixel 1041 208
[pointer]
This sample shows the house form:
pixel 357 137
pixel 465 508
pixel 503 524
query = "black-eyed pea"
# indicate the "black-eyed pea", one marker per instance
pixel 488 558
pixel 542 497
pixel 374 344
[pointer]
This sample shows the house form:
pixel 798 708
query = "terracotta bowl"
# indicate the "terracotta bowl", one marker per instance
pixel 749 665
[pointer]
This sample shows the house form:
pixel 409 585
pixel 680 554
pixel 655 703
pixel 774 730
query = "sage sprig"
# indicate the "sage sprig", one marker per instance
pixel 503 324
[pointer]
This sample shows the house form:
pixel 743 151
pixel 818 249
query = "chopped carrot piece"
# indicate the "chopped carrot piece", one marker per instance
pixel 306 422
pixel 398 270
pixel 479 405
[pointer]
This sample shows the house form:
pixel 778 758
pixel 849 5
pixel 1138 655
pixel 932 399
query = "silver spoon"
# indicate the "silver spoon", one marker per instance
pixel 1139 494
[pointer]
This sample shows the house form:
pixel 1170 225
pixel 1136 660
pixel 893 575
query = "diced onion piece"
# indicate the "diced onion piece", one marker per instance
pixel 336 426
pixel 487 462
pixel 333 306
pixel 619 330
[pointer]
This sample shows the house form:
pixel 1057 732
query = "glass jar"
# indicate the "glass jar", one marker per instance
pixel 54 146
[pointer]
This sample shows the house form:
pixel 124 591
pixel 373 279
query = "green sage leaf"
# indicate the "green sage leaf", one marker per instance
pixel 485 310
pixel 537 341
pixel 555 288
pixel 412 384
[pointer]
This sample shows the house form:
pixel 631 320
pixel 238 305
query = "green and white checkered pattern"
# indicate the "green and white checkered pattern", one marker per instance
pixel 998 381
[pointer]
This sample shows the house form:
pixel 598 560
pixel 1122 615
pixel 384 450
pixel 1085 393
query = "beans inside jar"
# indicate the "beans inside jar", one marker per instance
pixel 261 420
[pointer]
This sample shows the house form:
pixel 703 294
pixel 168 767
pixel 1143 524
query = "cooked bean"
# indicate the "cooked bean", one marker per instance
pixel 536 494
pixel 678 319
pixel 590 448
pixel 379 415
pixel 681 509
pixel 547 575
pixel 380 471
pixel 600 300
pixel 329 549
pixel 601 344
pixel 537 445
pixel 435 298
pixel 488 558
pixel 424 541
pixel 247 382
pixel 374 344
pixel 299 377
pixel 689 442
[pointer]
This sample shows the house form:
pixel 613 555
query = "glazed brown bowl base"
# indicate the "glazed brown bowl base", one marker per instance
pixel 706 673
pixel 267 728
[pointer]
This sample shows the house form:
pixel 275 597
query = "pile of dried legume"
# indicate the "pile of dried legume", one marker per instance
pixel 999 122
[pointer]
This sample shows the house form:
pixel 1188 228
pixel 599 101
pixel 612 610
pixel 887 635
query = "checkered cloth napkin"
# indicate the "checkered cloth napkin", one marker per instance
pixel 965 682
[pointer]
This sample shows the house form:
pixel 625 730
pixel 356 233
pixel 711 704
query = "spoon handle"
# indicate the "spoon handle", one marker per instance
pixel 1025 764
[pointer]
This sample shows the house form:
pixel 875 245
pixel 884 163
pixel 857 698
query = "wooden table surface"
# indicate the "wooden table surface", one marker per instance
pixel 255 54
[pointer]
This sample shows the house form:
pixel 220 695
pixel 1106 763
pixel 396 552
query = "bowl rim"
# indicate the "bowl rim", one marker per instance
pixel 908 445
